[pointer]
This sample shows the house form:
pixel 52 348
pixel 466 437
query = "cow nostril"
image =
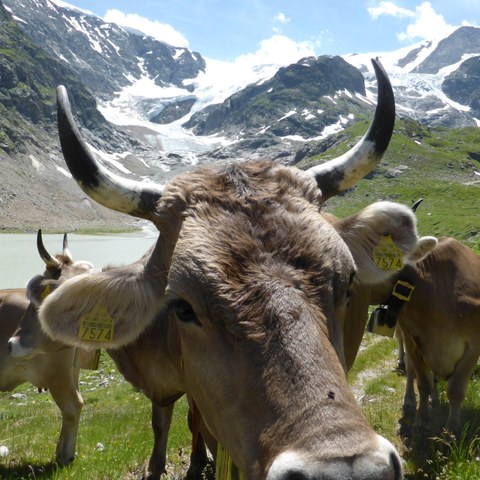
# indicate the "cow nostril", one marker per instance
pixel 9 346
pixel 397 466
pixel 294 475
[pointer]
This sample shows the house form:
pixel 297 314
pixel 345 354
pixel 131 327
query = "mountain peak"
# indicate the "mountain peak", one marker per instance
pixel 103 52
pixel 452 50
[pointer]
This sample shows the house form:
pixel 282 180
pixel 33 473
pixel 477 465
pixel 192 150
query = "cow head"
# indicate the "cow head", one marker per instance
pixel 29 338
pixel 254 283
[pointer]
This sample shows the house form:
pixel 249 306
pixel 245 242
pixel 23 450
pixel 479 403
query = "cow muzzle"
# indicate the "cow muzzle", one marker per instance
pixel 382 464
pixel 17 350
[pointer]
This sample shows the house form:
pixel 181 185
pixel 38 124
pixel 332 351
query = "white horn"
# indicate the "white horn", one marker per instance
pixel 115 192
pixel 335 176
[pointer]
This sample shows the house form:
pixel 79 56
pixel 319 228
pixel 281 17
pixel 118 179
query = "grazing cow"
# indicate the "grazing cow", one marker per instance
pixel 146 363
pixel 54 370
pixel 439 327
pixel 251 284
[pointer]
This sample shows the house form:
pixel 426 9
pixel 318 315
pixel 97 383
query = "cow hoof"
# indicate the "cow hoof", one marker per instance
pixel 405 430
pixel 197 472
pixel 65 461
pixel 149 475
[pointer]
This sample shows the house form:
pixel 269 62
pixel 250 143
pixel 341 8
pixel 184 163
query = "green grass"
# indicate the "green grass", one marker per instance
pixel 435 456
pixel 115 415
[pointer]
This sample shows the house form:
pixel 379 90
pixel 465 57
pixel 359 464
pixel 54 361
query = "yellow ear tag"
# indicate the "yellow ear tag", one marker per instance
pixel 386 255
pixel 46 291
pixel 96 325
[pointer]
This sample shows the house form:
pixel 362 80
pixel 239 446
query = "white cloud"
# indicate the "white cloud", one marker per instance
pixel 426 22
pixel 222 79
pixel 281 18
pixel 278 50
pixel 160 31
pixel 389 8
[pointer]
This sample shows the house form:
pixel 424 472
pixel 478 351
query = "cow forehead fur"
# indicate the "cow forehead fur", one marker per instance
pixel 256 227
pixel 229 185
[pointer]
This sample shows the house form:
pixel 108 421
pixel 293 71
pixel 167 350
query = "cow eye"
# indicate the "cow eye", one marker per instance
pixel 184 312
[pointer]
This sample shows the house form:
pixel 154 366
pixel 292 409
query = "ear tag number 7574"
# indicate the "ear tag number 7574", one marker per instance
pixel 386 255
pixel 96 326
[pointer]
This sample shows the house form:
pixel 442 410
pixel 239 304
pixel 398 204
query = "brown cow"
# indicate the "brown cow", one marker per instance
pixel 146 363
pixel 54 370
pixel 252 283
pixel 439 327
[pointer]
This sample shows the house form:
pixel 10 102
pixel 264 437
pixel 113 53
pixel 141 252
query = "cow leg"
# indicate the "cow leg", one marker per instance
pixel 434 397
pixel 425 387
pixel 408 346
pixel 199 457
pixel 424 376
pixel 67 396
pixel 409 399
pixel 457 386
pixel 161 420
pixel 401 365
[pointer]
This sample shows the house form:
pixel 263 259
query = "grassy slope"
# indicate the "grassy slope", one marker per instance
pixel 435 164
pixel 380 390
pixel 114 416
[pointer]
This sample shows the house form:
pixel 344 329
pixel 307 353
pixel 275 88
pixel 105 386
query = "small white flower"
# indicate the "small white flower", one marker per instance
pixel 100 447
pixel 19 396
pixel 4 451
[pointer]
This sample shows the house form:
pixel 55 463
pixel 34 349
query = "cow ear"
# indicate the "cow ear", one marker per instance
pixel 424 247
pixel 382 239
pixel 38 288
pixel 104 310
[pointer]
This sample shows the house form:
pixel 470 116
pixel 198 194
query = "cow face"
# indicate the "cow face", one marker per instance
pixel 29 339
pixel 253 282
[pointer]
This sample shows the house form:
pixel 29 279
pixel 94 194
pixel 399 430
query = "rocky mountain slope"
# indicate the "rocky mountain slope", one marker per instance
pixel 164 118
pixel 106 56
pixel 36 189
pixel 435 83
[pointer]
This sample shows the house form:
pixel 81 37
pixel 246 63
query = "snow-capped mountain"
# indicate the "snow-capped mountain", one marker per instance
pixel 154 89
pixel 169 108
pixel 435 82
pixel 106 56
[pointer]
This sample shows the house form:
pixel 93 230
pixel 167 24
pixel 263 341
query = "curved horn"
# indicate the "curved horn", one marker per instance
pixel 66 251
pixel 115 192
pixel 50 262
pixel 416 204
pixel 338 174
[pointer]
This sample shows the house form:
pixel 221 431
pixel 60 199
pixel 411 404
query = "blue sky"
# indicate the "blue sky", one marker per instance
pixel 230 29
